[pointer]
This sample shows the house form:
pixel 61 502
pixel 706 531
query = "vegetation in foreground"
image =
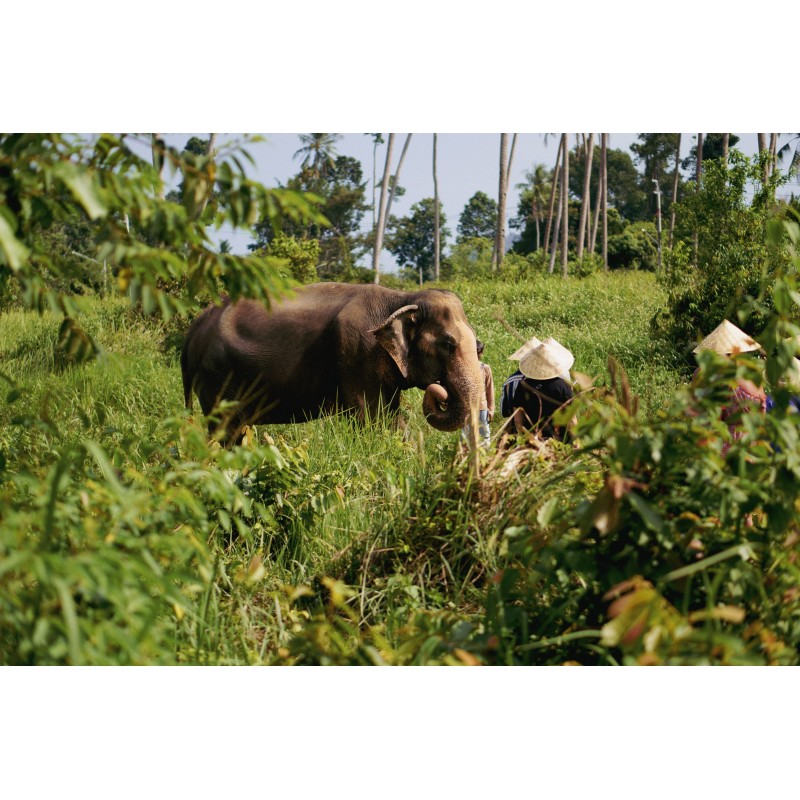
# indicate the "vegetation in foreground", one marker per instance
pixel 126 536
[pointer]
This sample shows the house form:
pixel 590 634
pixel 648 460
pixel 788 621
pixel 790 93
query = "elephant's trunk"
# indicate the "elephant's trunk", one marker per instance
pixel 446 411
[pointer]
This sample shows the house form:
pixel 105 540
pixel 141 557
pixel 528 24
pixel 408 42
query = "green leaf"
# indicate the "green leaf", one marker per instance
pixel 547 513
pixel 16 254
pixel 70 620
pixel 648 514
pixel 82 188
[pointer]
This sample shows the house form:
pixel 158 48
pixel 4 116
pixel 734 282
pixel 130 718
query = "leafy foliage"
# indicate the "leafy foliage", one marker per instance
pixel 732 258
pixel 410 239
pixel 301 255
pixel 151 244
pixel 478 218
pixel 340 188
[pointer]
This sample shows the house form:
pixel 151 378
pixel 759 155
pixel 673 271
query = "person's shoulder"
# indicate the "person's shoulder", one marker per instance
pixel 562 387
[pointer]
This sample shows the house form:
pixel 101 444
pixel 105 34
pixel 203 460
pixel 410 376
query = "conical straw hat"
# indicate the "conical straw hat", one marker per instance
pixel 726 339
pixel 549 360
pixel 520 351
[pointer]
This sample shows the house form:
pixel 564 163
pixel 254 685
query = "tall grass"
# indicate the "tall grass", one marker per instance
pixel 247 556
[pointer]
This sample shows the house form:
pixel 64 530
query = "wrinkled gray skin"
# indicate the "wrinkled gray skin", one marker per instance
pixel 333 346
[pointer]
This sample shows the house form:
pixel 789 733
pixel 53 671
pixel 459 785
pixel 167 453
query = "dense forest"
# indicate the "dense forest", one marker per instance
pixel 129 535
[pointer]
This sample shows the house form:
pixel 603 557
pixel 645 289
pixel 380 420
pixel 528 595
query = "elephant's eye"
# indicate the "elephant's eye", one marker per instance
pixel 448 344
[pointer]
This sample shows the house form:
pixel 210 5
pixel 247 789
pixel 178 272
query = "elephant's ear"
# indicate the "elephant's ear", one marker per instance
pixel 393 336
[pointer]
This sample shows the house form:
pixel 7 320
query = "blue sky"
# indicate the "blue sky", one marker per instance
pixel 467 163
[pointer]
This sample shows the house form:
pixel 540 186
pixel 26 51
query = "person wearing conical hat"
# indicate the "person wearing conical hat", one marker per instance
pixel 522 350
pixel 538 389
pixel 728 340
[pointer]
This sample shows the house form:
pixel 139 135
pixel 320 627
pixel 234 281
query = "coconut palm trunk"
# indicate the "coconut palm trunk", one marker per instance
pixel 675 181
pixel 395 180
pixel 387 171
pixel 699 171
pixel 500 228
pixel 436 232
pixel 552 199
pixel 565 209
pixel 586 198
pixel 698 174
pixel 604 194
pixel 556 228
pixel 773 152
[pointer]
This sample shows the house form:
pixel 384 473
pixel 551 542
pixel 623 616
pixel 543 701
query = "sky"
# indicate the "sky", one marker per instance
pixel 467 163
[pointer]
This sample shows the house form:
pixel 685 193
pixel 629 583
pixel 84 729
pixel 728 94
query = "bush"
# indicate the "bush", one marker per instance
pixel 301 255
pixel 470 259
pixel 732 259
pixel 634 248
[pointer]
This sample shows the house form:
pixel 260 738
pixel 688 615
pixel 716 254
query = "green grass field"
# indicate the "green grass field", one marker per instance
pixel 128 537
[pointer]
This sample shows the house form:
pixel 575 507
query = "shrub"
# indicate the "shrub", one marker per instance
pixel 708 282
pixel 634 248
pixel 301 255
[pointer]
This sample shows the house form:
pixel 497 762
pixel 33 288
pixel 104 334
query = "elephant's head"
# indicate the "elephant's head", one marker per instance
pixel 434 348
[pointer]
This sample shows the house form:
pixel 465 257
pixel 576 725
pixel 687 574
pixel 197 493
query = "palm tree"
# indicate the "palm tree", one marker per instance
pixel 784 151
pixel 675 181
pixel 500 229
pixel 552 197
pixel 557 225
pixel 604 194
pixel 536 183
pixel 565 209
pixel 395 179
pixel 387 171
pixel 588 150
pixel 773 151
pixel 318 152
pixel 436 235
pixel 699 170
pixel 698 174
pixel 377 139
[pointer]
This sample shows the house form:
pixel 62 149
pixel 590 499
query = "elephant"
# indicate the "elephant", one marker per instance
pixel 332 347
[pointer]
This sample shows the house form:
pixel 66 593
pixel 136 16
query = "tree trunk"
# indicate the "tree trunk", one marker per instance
pixel 762 148
pixel 596 220
pixel 675 180
pixel 725 141
pixel 565 209
pixel 387 171
pixel 436 235
pixel 604 195
pixel 500 229
pixel 510 161
pixel 698 175
pixel 157 148
pixel 556 228
pixel 394 181
pixel 211 150
pixel 551 202
pixel 586 198
pixel 374 179
pixel 699 170
pixel 773 152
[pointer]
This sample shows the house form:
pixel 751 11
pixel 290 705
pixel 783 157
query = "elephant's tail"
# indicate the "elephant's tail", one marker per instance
pixel 187 381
